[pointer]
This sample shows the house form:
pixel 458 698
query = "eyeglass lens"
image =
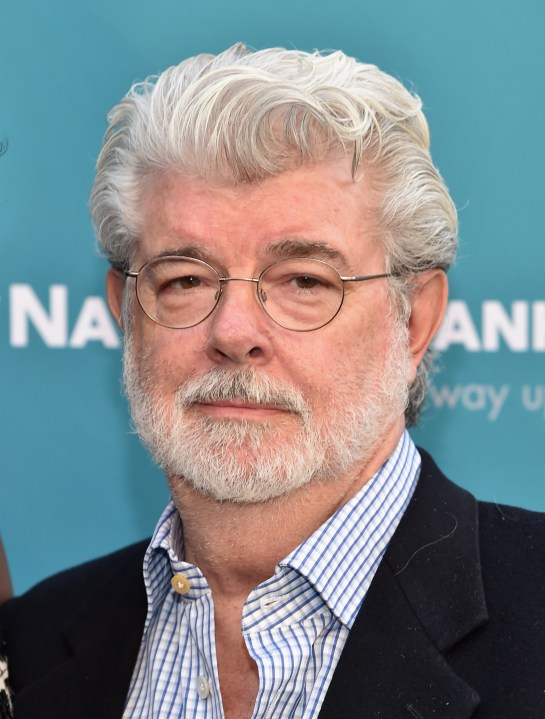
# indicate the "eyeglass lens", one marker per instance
pixel 299 294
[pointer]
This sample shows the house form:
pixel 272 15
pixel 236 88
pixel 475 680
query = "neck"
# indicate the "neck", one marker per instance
pixel 237 546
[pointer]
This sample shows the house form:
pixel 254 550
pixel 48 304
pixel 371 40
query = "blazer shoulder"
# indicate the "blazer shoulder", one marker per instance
pixel 61 596
pixel 503 517
pixel 68 587
pixel 512 542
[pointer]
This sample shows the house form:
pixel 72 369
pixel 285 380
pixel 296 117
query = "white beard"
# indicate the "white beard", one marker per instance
pixel 244 461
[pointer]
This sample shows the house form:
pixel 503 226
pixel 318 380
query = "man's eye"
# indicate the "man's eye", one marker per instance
pixel 307 282
pixel 188 282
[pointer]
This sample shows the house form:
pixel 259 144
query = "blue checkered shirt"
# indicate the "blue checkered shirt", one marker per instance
pixel 295 624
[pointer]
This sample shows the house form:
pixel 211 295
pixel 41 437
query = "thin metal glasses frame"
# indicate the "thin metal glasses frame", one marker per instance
pixel 256 280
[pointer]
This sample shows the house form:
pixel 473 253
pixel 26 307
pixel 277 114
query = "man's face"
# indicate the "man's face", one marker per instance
pixel 239 407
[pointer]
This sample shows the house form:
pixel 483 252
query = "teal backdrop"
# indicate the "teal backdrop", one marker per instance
pixel 74 480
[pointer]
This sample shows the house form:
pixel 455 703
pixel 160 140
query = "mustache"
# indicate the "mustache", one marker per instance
pixel 246 385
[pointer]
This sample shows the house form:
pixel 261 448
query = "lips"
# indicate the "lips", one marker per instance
pixel 240 409
pixel 243 404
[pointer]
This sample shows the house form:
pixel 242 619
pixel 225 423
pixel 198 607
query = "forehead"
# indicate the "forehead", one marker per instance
pixel 320 207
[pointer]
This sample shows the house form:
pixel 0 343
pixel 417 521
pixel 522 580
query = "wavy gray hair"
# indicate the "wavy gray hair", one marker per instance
pixel 241 116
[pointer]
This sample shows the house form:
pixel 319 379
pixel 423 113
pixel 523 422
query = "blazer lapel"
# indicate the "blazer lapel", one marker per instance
pixel 426 597
pixel 102 639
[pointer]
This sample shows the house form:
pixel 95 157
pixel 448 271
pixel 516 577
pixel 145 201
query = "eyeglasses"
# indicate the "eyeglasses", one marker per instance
pixel 298 294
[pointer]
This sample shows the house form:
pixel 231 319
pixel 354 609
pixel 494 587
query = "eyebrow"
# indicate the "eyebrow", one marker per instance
pixel 296 247
pixel 287 248
pixel 195 252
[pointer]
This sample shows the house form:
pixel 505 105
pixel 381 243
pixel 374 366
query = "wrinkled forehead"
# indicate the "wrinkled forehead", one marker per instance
pixel 313 210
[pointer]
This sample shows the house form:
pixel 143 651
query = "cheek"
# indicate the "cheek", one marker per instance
pixel 324 368
pixel 340 367
pixel 168 356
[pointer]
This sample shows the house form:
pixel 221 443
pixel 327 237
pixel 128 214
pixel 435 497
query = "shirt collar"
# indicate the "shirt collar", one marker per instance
pixel 340 558
pixel 168 534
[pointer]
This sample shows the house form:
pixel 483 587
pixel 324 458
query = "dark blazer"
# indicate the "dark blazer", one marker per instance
pixel 453 625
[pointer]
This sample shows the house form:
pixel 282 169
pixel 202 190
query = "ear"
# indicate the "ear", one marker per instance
pixel 115 284
pixel 428 307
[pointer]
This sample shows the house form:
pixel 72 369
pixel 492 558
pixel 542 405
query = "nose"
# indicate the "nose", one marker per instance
pixel 240 331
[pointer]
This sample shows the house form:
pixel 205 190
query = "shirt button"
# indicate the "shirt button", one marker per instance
pixel 180 583
pixel 203 687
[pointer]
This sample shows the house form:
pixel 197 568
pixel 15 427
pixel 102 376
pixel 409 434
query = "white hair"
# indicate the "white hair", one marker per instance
pixel 240 117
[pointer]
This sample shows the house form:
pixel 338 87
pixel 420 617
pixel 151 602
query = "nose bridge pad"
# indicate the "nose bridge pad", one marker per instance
pixel 262 295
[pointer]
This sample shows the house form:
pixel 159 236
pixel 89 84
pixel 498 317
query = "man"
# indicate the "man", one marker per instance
pixel 279 238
